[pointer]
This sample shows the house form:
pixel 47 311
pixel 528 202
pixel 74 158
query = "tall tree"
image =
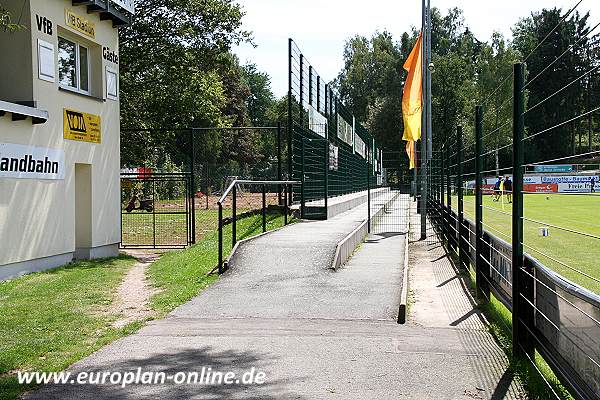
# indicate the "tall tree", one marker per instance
pixel 171 71
pixel 371 85
pixel 553 50
pixel 261 97
pixel 494 91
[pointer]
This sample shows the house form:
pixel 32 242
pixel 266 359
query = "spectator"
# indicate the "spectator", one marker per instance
pixel 508 187
pixel 496 195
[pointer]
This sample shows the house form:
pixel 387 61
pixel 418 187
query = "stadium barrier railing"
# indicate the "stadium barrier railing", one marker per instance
pixel 551 315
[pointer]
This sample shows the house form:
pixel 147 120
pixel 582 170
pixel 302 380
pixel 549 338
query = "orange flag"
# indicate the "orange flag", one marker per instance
pixel 412 99
pixel 412 155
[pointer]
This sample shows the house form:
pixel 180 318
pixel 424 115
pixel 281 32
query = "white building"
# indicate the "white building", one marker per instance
pixel 59 133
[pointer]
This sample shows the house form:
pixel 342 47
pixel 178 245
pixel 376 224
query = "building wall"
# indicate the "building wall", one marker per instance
pixel 16 64
pixel 38 217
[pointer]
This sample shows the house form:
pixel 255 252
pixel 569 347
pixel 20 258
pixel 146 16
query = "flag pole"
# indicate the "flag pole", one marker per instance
pixel 424 156
pixel 428 62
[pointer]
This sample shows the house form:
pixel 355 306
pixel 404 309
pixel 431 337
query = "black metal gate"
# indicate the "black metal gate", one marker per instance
pixel 156 210
pixel 391 208
pixel 390 211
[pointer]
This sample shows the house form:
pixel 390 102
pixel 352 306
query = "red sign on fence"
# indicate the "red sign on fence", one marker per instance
pixel 541 188
pixel 144 172
pixel 487 189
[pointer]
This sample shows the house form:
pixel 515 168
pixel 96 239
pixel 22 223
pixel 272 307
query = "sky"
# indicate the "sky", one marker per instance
pixel 321 27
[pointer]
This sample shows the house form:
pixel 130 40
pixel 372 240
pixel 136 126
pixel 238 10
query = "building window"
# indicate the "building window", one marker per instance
pixel 73 65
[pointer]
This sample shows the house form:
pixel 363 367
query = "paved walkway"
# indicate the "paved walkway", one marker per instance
pixel 315 333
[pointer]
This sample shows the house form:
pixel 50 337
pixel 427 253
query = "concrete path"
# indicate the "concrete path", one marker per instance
pixel 315 333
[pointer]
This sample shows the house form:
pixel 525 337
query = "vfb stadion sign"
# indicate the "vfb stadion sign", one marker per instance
pixel 29 162
pixel 81 126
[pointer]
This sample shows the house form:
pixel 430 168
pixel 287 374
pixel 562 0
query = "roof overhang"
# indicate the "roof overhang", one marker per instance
pixel 120 12
pixel 20 112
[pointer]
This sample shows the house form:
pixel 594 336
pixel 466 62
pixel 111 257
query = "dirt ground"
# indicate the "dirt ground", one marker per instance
pixel 134 292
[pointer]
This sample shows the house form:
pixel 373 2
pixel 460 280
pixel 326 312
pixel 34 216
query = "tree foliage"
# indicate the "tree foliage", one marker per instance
pixel 6 22
pixel 469 72
pixel 178 72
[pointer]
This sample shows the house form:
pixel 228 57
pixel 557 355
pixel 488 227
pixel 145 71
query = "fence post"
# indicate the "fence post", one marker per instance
pixel 264 208
pixel 368 194
pixel 153 212
pixel 279 171
pixel 326 175
pixel 521 341
pixel 424 172
pixel 448 196
pixel 220 238
pixel 285 205
pixel 290 128
pixel 302 199
pixel 483 290
pixel 461 204
pixel 206 192
pixel 442 190
pixel 193 182
pixel 233 215
pixel 437 188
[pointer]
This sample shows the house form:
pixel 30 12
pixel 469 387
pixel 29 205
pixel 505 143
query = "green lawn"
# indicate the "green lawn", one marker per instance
pixel 562 251
pixel 139 227
pixel 51 319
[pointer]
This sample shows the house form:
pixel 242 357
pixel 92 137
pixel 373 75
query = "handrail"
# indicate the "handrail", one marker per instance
pixel 287 192
pixel 238 181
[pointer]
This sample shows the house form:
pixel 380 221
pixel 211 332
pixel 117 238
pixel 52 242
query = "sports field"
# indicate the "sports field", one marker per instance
pixel 572 248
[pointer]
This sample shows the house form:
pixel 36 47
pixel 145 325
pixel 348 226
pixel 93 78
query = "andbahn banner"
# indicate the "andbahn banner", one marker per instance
pixel 29 162
pixel 81 126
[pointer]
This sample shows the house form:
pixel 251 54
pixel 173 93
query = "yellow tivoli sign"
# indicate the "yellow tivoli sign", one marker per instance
pixel 81 126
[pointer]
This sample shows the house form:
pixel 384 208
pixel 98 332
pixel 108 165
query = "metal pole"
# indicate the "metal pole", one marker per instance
pixel 233 215
pixel 368 194
pixel 461 204
pixel 153 212
pixel 326 176
pixel 443 189
pixel 442 169
pixel 480 267
pixel 448 195
pixel 302 180
pixel 285 205
pixel 290 131
pixel 423 190
pixel 193 183
pixel 279 172
pixel 424 157
pixel 220 238
pixel 207 182
pixel 521 342
pixel 415 174
pixel 428 92
pixel 310 83
pixel 264 208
